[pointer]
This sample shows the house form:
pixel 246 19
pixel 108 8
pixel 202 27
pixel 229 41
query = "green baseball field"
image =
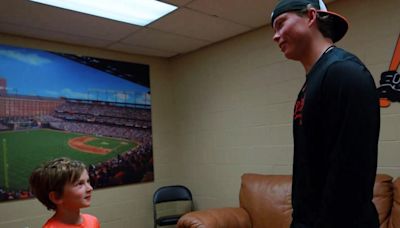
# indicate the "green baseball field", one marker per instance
pixel 23 151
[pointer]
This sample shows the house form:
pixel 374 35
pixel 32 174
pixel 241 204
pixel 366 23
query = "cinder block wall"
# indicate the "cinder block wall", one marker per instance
pixel 234 102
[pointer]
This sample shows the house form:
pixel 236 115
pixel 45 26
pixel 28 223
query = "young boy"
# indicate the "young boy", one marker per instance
pixel 63 185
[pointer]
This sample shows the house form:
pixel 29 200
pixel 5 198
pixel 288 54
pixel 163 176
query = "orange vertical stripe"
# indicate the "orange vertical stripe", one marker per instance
pixel 394 64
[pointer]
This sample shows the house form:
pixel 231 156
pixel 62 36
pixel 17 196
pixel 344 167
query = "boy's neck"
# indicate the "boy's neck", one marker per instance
pixel 68 216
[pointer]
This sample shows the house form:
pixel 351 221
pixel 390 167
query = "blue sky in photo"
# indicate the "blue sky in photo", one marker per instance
pixel 39 73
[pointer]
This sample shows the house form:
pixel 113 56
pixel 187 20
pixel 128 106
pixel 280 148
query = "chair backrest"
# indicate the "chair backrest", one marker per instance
pixel 171 202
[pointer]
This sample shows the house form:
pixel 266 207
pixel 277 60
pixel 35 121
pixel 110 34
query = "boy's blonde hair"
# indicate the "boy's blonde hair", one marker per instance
pixel 52 176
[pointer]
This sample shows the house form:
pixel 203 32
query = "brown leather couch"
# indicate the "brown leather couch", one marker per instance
pixel 265 202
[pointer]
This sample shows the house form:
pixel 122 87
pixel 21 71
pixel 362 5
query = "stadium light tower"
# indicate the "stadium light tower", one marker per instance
pixel 5 164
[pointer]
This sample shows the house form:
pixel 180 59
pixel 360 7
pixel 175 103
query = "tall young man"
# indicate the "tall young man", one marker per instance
pixel 335 124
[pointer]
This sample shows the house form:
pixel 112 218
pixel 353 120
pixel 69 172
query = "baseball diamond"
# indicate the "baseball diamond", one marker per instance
pixel 26 149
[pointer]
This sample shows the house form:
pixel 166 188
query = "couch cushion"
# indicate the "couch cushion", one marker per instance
pixel 395 218
pixel 267 199
pixel 383 197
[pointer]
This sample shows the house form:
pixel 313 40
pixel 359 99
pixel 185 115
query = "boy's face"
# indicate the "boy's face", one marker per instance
pixel 78 194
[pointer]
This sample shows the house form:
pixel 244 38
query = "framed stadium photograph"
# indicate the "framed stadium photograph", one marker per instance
pixel 61 105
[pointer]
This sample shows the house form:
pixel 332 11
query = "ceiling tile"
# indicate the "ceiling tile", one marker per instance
pixel 177 2
pixel 153 38
pixel 39 33
pixel 254 14
pixel 35 15
pixel 198 25
pixel 140 50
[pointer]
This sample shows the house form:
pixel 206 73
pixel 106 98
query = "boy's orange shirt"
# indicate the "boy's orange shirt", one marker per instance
pixel 89 221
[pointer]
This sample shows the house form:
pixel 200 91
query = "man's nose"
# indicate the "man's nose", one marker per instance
pixel 276 37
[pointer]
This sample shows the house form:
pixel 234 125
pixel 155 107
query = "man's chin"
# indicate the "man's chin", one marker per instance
pixel 291 56
pixel 288 56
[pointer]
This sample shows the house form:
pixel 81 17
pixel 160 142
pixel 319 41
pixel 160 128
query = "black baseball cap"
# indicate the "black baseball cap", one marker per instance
pixel 339 24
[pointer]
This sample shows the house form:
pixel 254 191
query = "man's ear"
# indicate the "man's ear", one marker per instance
pixel 55 197
pixel 312 16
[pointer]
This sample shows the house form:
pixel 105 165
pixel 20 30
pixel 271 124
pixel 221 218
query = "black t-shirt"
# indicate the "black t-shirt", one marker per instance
pixel 336 129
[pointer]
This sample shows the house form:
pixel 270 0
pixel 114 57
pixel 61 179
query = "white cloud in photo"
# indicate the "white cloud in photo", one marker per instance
pixel 67 92
pixel 31 59
pixel 52 93
pixel 121 96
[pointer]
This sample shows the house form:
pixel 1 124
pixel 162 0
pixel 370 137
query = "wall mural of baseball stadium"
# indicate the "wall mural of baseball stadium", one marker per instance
pixel 90 109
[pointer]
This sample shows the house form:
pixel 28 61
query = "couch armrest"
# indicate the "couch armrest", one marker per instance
pixel 216 218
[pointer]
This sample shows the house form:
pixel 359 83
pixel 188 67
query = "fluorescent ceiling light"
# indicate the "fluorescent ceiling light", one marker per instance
pixel 138 12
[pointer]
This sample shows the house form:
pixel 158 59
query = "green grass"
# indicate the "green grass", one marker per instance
pixel 26 150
